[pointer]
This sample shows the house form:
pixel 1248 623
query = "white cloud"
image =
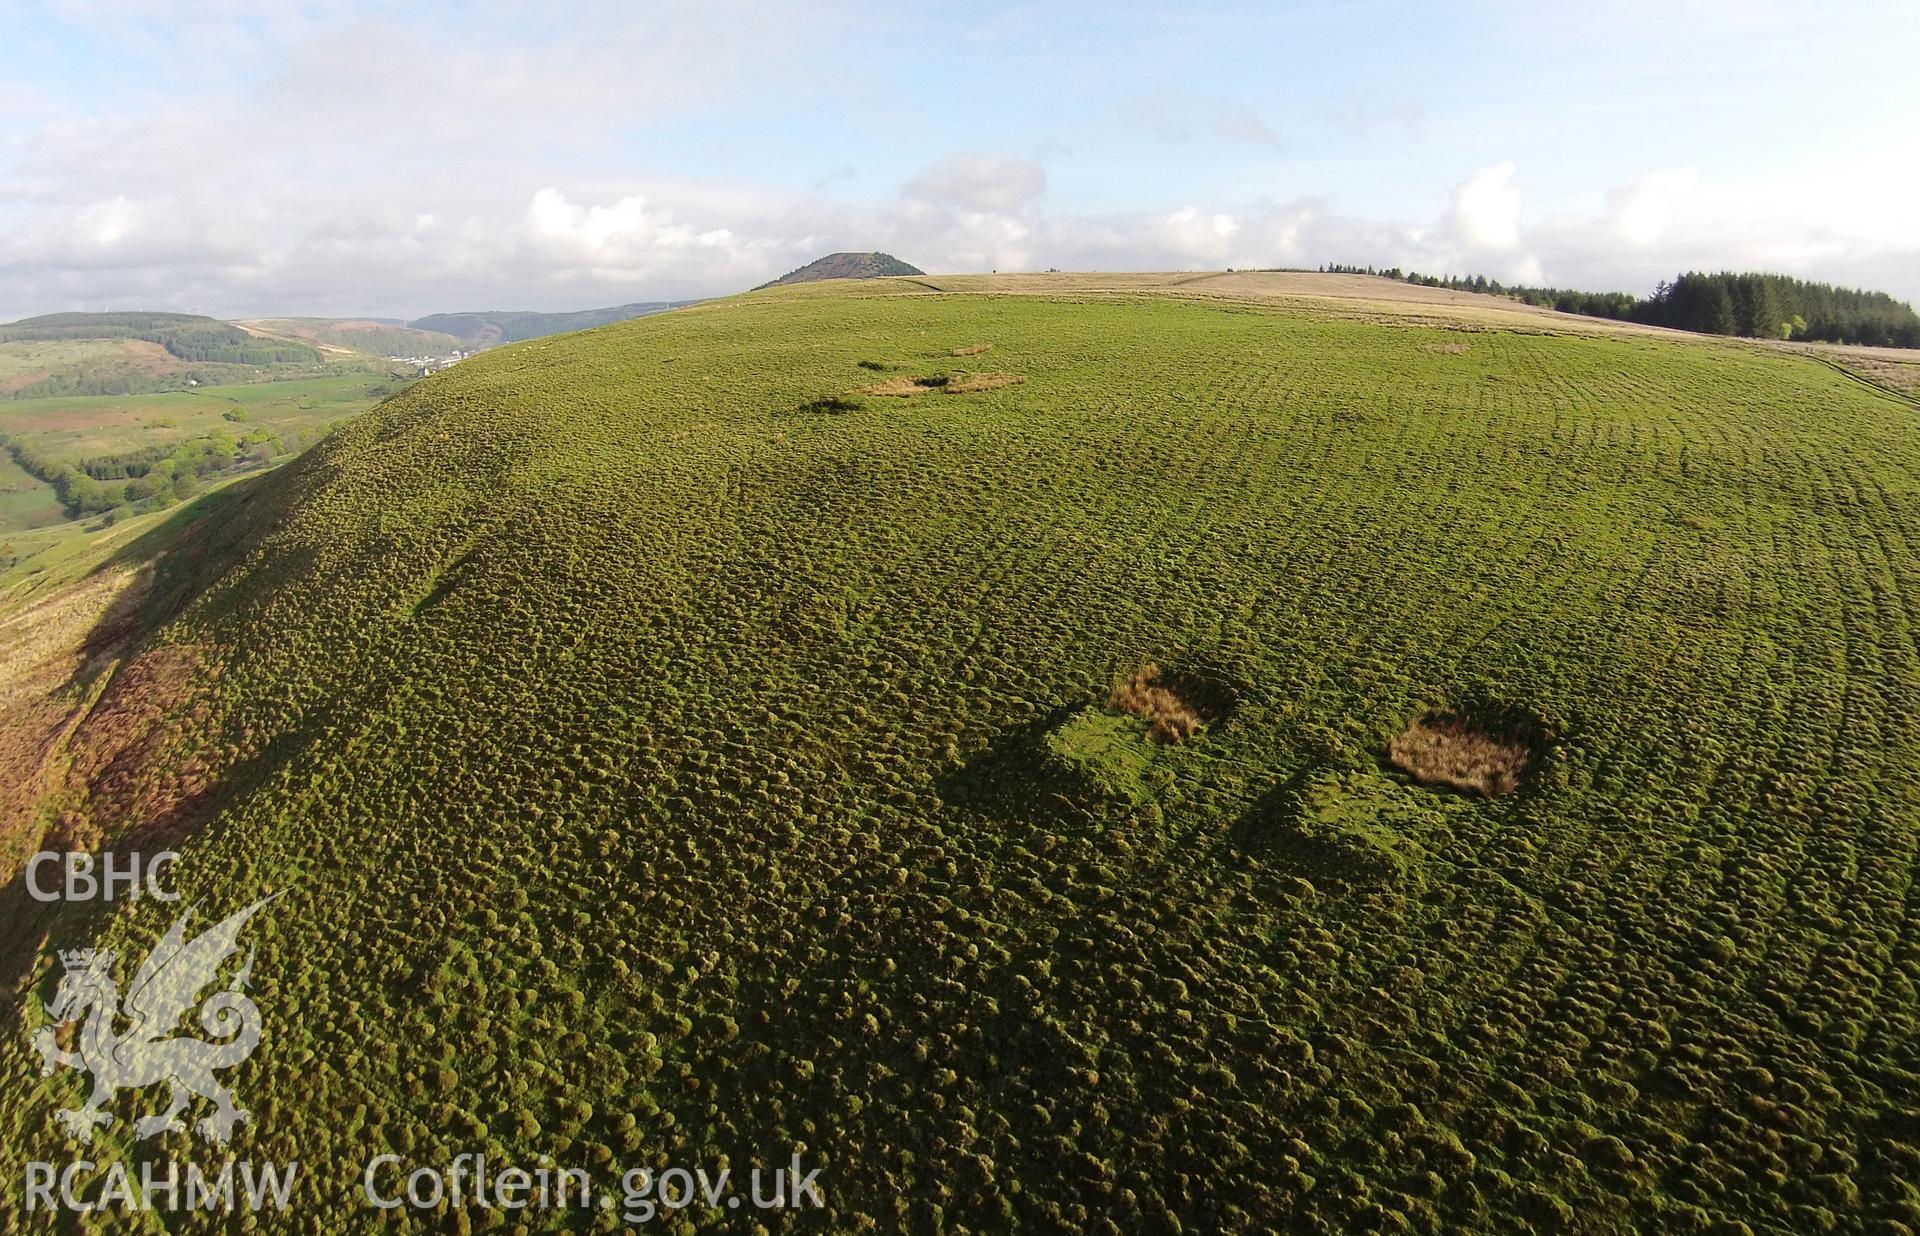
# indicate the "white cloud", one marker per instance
pixel 1197 235
pixel 1485 211
pixel 123 233
pixel 557 245
pixel 1639 214
pixel 625 241
pixel 104 225
pixel 986 184
pixel 283 155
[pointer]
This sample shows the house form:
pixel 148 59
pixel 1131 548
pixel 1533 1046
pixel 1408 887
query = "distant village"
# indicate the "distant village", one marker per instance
pixel 424 365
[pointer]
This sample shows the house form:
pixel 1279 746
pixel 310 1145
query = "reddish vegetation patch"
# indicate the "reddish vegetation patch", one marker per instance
pixel 146 356
pixel 124 754
pixel 1149 696
pixel 1443 748
pixel 21 381
pixel 30 732
pixel 48 651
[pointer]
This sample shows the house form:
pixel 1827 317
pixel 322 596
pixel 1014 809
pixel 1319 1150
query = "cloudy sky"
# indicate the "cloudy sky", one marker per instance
pixel 243 157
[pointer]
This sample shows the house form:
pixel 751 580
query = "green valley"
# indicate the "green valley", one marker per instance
pixel 76 464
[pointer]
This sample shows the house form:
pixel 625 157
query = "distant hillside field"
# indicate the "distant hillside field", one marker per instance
pixel 376 338
pixel 1073 753
pixel 143 353
pixel 846 266
pixel 186 336
pixel 494 327
pixel 143 453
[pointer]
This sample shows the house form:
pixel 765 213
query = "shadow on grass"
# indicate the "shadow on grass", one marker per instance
pixel 187 551
pixel 1343 827
pixel 1008 780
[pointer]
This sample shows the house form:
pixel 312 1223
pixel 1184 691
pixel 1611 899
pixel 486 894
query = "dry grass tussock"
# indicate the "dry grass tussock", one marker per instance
pixel 1450 349
pixel 1442 748
pixel 1900 375
pixel 952 384
pixel 972 349
pixel 968 383
pixel 1147 696
pixel 904 386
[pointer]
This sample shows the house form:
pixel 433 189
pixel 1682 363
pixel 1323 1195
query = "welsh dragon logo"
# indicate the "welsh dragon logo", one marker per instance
pixel 167 986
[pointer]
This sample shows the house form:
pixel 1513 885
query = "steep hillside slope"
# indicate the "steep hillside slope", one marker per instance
pixel 673 751
pixel 845 266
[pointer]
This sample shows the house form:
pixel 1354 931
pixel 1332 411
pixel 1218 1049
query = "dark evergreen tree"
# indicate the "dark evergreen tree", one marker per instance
pixel 1759 306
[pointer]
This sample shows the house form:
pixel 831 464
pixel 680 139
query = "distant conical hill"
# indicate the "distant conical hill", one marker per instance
pixel 847 266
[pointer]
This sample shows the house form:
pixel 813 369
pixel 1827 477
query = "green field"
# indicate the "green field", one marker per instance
pixel 25 500
pixel 35 529
pixel 25 363
pixel 74 428
pixel 69 367
pixel 675 755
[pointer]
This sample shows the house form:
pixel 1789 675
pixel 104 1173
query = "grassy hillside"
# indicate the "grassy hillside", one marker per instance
pixel 672 750
pixel 78 428
pixel 187 336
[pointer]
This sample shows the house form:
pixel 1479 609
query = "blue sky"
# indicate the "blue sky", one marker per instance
pixel 268 156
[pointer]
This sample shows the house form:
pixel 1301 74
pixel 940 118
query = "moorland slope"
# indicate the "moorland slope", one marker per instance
pixel 1210 754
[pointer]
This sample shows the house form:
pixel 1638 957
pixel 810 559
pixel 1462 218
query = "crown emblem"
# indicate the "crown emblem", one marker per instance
pixel 86 958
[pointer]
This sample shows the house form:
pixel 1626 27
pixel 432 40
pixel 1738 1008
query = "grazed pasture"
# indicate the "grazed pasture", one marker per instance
pixel 673 754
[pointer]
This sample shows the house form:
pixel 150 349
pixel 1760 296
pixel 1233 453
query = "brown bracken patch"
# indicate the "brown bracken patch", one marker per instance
pixel 47 650
pixel 128 754
pixel 1444 748
pixel 1149 696
pixel 968 383
pixel 910 386
pixel 91 748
